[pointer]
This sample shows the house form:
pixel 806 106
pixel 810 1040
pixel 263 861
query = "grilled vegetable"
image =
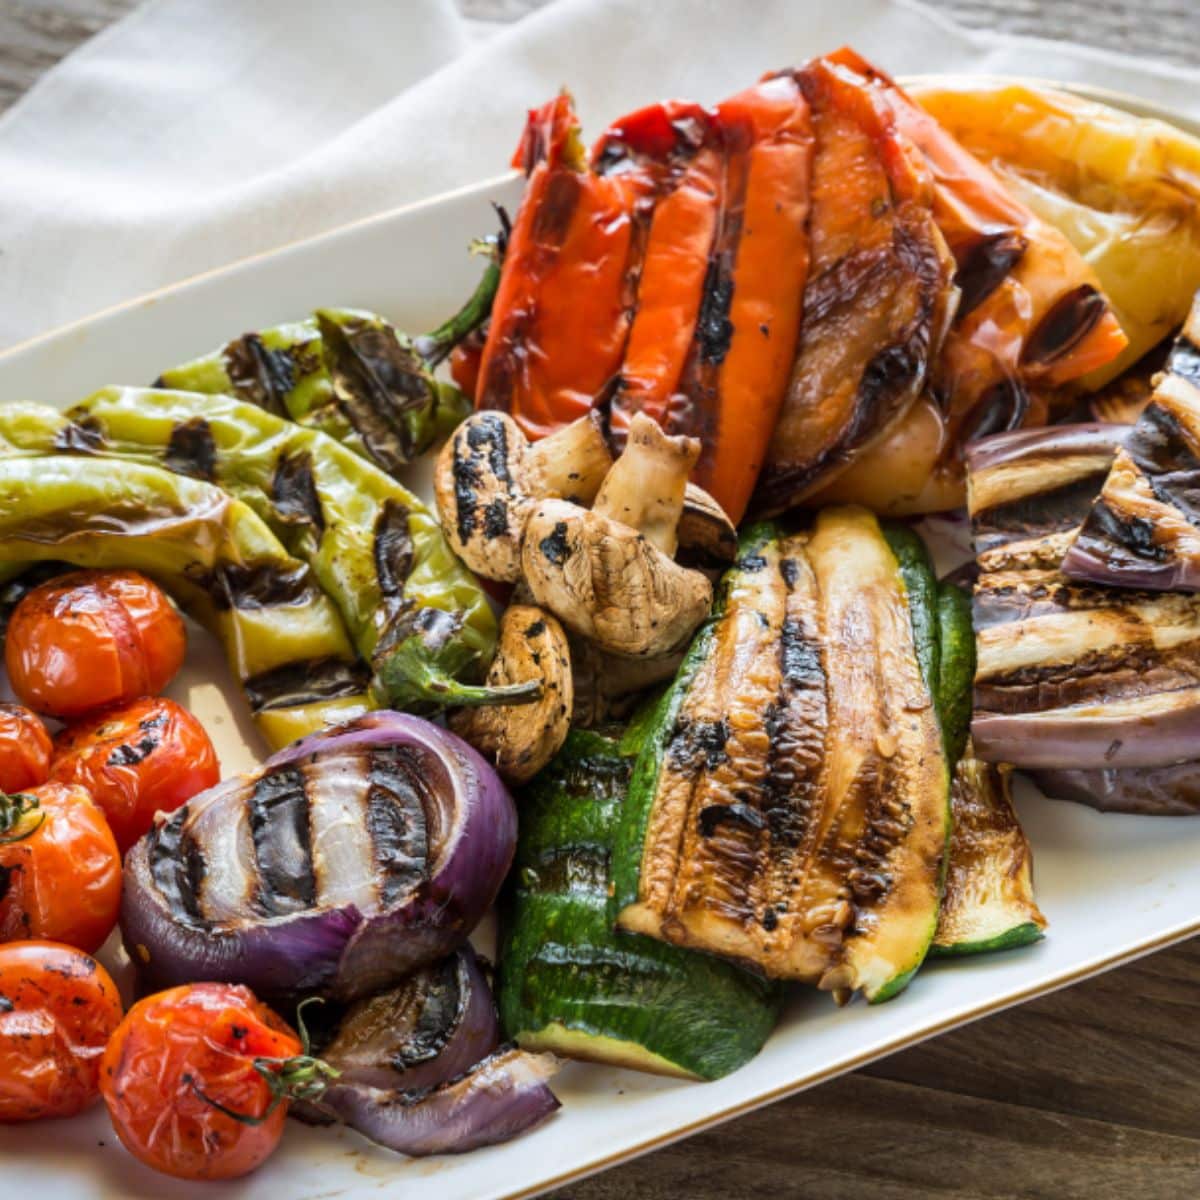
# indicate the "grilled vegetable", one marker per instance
pixel 432 1026
pixel 284 640
pixel 570 984
pixel 60 870
pixel 136 760
pixel 1122 188
pixel 606 582
pixel 607 686
pixel 810 842
pixel 520 739
pixel 561 315
pixel 348 374
pixel 1144 529
pixel 412 611
pixel 956 667
pixel 706 536
pixel 197 1080
pixel 90 639
pixel 879 295
pixel 1029 491
pixel 742 320
pixel 988 900
pixel 1033 317
pixel 24 749
pixel 500 1097
pixel 699 215
pixel 1068 671
pixel 344 862
pixel 1172 791
pixel 489 476
pixel 59 1009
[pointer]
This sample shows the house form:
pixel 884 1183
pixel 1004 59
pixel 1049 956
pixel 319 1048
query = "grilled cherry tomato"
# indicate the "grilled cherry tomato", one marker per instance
pixel 197 1080
pixel 58 1008
pixel 92 638
pixel 24 749
pixel 135 760
pixel 60 869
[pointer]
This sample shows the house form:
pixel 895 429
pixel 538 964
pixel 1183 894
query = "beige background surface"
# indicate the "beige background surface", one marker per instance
pixel 1091 1093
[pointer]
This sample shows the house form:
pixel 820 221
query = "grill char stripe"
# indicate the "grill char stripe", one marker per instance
pixel 177 867
pixel 397 822
pixel 278 813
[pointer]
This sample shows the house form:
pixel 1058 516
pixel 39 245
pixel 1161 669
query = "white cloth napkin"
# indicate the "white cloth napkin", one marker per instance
pixel 195 132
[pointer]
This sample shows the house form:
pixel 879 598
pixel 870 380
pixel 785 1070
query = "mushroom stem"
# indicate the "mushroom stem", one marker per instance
pixel 646 486
pixel 570 464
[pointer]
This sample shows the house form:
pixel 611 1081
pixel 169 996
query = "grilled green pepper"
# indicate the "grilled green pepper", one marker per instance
pixel 349 374
pixel 283 638
pixel 413 610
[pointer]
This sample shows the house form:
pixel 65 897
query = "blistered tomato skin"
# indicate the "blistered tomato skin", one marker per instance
pixel 90 639
pixel 135 760
pixel 58 1008
pixel 178 1047
pixel 60 869
pixel 24 749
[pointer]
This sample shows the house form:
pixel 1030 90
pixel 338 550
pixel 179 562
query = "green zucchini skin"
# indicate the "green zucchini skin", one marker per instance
pixel 988 903
pixel 956 678
pixel 566 974
pixel 920 582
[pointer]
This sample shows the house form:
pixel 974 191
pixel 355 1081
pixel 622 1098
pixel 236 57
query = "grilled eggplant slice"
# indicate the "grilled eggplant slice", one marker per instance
pixel 791 806
pixel 1144 530
pixel 1067 670
pixel 988 899
pixel 569 983
pixel 879 295
pixel 1172 791
pixel 1029 491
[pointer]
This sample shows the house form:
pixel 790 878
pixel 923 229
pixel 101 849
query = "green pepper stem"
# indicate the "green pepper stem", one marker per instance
pixel 435 347
pixel 409 673
pixel 14 809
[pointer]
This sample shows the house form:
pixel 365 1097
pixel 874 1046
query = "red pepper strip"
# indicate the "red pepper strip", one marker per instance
pixel 671 156
pixel 1065 328
pixel 748 321
pixel 561 315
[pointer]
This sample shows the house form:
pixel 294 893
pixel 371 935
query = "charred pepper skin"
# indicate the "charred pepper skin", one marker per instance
pixel 349 374
pixel 283 638
pixel 413 611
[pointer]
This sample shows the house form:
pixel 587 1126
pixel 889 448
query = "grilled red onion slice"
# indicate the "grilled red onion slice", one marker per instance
pixel 346 861
pixel 498 1098
pixel 431 1027
pixel 1150 791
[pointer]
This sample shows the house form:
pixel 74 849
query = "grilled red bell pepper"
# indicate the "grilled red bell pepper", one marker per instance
pixel 561 315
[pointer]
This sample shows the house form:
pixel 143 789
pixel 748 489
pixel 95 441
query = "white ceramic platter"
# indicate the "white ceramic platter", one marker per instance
pixel 1113 887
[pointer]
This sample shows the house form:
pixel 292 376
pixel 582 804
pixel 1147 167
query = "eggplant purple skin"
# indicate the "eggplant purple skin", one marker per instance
pixel 1088 438
pixel 1055 740
pixel 337 952
pixel 500 1097
pixel 1172 791
pixel 1093 564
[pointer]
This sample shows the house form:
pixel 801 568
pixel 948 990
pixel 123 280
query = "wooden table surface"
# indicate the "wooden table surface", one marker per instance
pixel 1091 1092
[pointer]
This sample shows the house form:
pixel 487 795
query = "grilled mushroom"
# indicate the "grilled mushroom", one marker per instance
pixel 606 582
pixel 607 686
pixel 489 476
pixel 646 486
pixel 707 537
pixel 522 738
